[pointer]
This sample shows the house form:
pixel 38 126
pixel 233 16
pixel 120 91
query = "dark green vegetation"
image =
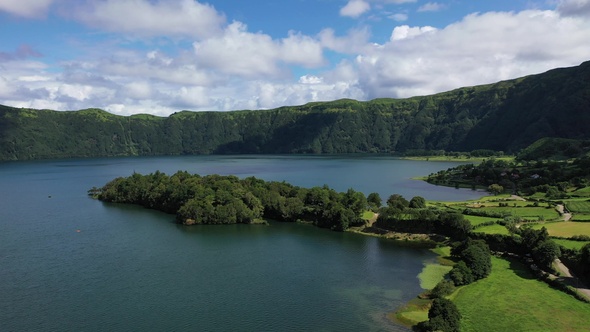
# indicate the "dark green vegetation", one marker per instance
pixel 554 179
pixel 506 116
pixel 414 217
pixel 443 315
pixel 215 199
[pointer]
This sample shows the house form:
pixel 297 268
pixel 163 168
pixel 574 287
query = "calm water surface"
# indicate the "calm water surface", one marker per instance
pixel 70 263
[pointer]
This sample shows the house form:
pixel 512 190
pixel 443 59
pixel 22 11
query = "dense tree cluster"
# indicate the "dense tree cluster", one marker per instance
pixel 443 316
pixel 475 262
pixel 415 217
pixel 554 178
pixel 578 261
pixel 216 199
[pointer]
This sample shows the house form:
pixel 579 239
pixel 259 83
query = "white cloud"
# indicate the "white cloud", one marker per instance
pixel 355 41
pixel 301 50
pixel 226 67
pixel 153 18
pixel 481 48
pixel 255 55
pixel 26 8
pixel 355 8
pixel 431 7
pixel 310 79
pixel 407 32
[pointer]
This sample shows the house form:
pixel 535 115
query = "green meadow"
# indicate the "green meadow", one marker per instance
pixel 570 244
pixel 565 228
pixel 492 229
pixel 512 299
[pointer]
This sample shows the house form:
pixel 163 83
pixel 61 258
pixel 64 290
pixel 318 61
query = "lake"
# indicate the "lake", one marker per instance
pixel 71 263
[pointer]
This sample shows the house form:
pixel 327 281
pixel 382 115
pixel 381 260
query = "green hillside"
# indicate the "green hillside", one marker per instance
pixel 505 116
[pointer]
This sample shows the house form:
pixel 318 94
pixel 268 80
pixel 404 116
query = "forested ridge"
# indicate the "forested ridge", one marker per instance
pixel 505 116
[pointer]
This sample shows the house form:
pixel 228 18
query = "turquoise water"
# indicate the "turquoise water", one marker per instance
pixel 70 263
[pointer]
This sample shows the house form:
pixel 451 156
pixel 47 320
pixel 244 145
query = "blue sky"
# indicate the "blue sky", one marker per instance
pixel 162 56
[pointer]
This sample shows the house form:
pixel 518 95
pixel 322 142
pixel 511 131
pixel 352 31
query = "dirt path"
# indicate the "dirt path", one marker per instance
pixel 565 216
pixel 568 278
pixel 517 198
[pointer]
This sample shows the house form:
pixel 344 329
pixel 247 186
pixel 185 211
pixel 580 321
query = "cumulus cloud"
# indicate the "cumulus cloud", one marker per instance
pixel 354 42
pixel 246 54
pixel 226 67
pixel 153 18
pixel 481 48
pixel 407 32
pixel 355 8
pixel 26 8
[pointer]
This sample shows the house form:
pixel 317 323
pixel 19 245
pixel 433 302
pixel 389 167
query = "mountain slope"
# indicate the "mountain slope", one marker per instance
pixel 507 115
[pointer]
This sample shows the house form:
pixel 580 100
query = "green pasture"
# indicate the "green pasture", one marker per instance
pixel 581 217
pixel 584 192
pixel 565 228
pixel 477 220
pixel 524 212
pixel 570 244
pixel 577 206
pixel 512 299
pixel 492 229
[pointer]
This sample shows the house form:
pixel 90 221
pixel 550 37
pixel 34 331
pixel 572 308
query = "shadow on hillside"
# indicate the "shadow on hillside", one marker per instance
pixel 520 268
pixel 299 136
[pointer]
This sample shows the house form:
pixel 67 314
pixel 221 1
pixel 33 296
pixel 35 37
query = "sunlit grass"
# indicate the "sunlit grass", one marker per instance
pixel 571 244
pixel 492 229
pixel 565 228
pixel 432 274
pixel 578 206
pixel 511 299
pixel 477 220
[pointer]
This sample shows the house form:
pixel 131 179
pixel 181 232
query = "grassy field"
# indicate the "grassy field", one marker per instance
pixel 432 274
pixel 584 192
pixel 511 299
pixel 477 220
pixel 571 244
pixel 578 206
pixel 525 212
pixel 581 217
pixel 493 229
pixel 565 229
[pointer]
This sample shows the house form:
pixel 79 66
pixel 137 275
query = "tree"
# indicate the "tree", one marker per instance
pixel 417 202
pixel 454 225
pixel 461 274
pixel 442 289
pixel 397 201
pixel 495 189
pixel 374 201
pixel 443 315
pixel 546 252
pixel 478 259
pixel 355 200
